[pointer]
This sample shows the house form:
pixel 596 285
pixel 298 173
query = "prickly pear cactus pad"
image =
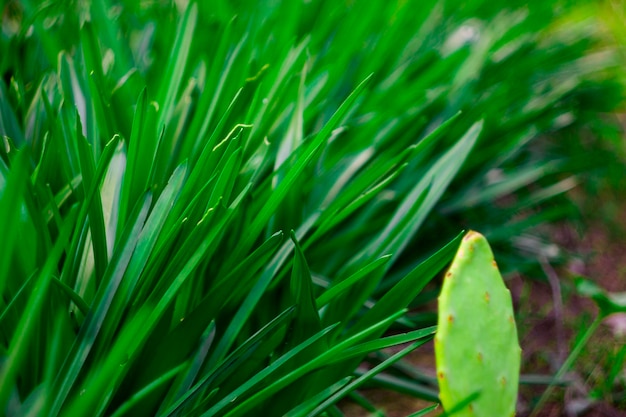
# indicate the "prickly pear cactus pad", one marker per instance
pixel 476 344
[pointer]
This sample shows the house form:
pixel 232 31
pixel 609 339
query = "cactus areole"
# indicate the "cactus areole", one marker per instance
pixel 476 344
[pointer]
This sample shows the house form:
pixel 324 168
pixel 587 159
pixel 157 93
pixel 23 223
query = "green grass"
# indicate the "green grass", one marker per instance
pixel 218 208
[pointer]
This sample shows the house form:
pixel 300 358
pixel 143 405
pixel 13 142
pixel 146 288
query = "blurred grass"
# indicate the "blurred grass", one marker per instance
pixel 155 155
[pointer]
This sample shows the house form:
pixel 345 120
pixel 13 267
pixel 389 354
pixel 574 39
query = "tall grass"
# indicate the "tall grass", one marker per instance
pixel 221 208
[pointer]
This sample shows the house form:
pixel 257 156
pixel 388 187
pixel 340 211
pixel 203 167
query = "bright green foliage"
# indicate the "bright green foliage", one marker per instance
pixel 218 207
pixel 476 345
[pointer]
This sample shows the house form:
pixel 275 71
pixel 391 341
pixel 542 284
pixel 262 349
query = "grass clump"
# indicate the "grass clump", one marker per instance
pixel 212 208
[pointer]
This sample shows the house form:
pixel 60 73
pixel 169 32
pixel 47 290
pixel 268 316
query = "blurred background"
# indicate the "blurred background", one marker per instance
pixel 546 183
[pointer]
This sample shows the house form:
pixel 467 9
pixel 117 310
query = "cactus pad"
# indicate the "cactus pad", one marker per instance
pixel 476 344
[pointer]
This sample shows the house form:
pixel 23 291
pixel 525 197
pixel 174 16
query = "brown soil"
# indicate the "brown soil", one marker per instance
pixel 548 335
